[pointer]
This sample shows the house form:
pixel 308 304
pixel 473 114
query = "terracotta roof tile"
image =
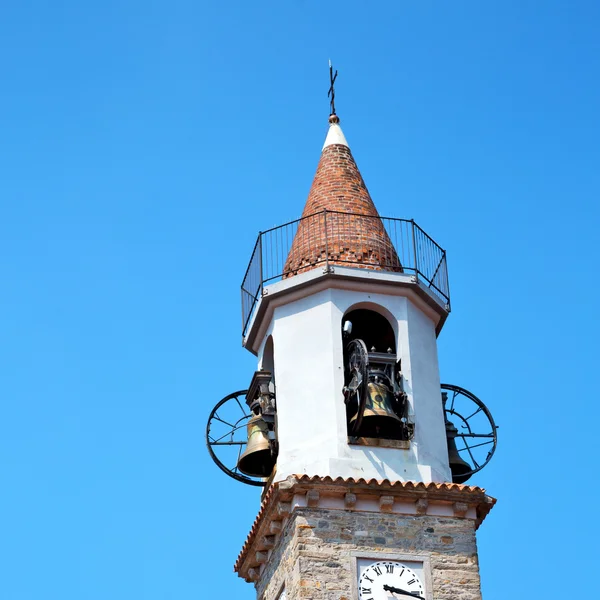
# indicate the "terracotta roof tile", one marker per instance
pixel 407 485
pixel 253 530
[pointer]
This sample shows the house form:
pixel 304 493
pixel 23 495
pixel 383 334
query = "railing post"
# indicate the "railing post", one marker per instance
pixel 326 241
pixel 448 304
pixel 414 238
pixel 243 316
pixel 260 258
pixel 431 282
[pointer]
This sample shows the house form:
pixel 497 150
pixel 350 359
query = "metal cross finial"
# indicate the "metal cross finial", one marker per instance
pixel 331 92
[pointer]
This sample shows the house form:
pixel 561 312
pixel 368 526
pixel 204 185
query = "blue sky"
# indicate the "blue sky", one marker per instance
pixel 142 147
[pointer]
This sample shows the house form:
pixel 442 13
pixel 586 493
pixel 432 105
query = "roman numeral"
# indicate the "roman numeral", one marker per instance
pixel 377 570
pixel 389 568
pixel 410 582
pixel 368 578
pixel 365 590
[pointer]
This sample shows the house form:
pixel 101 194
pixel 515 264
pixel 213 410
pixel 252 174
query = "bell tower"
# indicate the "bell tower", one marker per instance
pixel 362 452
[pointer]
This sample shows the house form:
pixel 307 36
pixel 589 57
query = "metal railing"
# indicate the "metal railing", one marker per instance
pixel 336 238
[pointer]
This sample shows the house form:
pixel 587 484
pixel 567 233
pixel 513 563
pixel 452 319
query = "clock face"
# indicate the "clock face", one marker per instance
pixel 389 580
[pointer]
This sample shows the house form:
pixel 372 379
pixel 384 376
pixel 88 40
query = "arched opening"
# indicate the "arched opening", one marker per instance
pixel 376 405
pixel 372 328
pixel 268 359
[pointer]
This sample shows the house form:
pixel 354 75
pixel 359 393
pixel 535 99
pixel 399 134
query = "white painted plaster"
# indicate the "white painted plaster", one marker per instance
pixel 333 502
pixel 307 401
pixel 335 135
pixel 348 278
pixel 311 415
pixel 422 377
pixel 299 501
pixel 370 504
pixel 440 510
pixel 405 508
pixel 367 504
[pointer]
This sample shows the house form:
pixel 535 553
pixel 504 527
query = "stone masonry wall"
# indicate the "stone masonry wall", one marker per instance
pixel 314 554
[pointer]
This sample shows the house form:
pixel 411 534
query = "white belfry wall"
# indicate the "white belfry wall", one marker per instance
pixel 309 371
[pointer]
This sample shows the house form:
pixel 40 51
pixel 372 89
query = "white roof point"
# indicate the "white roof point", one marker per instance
pixel 335 135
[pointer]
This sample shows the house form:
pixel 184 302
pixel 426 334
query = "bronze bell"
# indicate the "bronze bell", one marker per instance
pixel 379 419
pixel 460 469
pixel 257 460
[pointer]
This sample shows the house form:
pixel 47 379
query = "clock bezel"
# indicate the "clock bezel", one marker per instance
pixel 420 559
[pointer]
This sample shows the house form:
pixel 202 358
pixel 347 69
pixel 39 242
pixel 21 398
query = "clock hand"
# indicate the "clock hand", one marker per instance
pixel 394 590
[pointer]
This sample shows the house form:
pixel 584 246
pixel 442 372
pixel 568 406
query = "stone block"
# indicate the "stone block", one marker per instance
pixel 386 503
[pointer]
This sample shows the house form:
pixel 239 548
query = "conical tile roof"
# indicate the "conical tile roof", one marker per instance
pixel 340 223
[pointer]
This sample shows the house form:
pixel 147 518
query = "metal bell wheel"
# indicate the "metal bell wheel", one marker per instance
pixel 226 436
pixel 470 431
